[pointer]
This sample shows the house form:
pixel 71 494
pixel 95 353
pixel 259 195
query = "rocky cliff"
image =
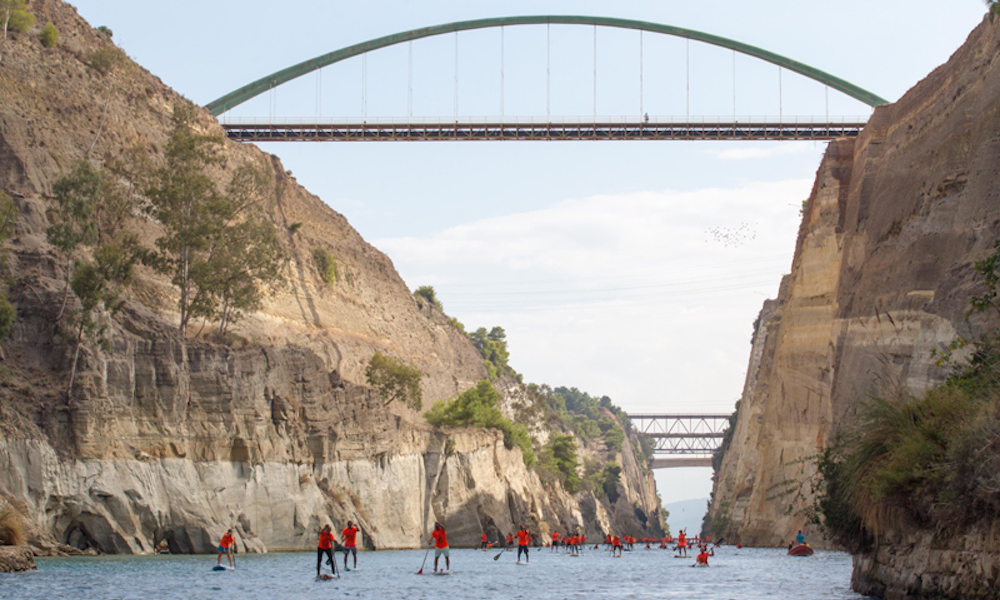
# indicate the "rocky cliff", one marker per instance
pixel 168 440
pixel 881 277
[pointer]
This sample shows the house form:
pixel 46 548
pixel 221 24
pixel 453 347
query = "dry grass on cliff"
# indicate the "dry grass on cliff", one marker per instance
pixel 11 526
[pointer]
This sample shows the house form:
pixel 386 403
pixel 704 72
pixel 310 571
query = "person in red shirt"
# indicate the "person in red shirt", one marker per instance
pixel 482 542
pixel 510 540
pixel 523 539
pixel 555 540
pixel 325 546
pixel 616 546
pixel 226 545
pixel 440 540
pixel 702 558
pixel 350 537
pixel 682 543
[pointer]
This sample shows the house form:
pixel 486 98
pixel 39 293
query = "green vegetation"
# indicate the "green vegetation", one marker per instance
pixel 220 250
pixel 480 407
pixel 92 210
pixel 325 265
pixel 493 347
pixel 426 292
pixel 931 461
pixel 49 36
pixel 558 457
pixel 994 7
pixel 395 380
pixel 15 16
pixel 105 32
pixel 106 59
pixel 8 218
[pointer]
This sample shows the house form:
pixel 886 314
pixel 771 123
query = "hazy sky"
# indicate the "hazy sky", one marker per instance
pixel 632 270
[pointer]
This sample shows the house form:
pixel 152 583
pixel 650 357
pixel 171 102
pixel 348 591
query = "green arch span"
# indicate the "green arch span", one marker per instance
pixel 241 95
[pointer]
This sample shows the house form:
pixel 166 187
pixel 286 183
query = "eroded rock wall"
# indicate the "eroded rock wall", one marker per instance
pixel 168 441
pixel 881 277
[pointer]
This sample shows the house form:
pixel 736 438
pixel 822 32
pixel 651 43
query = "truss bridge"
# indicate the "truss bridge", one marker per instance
pixel 682 440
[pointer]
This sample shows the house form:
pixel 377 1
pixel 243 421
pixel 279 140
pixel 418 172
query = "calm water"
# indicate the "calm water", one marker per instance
pixel 736 574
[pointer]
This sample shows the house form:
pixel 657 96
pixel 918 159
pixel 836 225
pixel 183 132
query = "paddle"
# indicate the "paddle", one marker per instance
pixel 499 553
pixel 421 571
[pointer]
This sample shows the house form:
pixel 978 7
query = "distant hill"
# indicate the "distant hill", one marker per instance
pixel 686 514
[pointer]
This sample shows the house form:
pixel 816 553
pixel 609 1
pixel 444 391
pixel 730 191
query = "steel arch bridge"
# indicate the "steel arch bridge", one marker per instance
pixel 445 129
pixel 682 440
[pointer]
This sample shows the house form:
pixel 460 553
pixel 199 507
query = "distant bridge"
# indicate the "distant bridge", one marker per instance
pixel 461 127
pixel 682 440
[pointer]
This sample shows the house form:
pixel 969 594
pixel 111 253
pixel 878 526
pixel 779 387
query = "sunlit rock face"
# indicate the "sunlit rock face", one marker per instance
pixel 881 277
pixel 168 441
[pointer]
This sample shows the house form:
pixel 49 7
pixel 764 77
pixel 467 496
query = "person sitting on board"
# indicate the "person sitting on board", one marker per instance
pixel 350 536
pixel 800 539
pixel 226 545
pixel 702 558
pixel 523 539
pixel 325 546
pixel 440 540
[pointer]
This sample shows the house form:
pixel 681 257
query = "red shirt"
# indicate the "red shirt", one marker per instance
pixel 350 535
pixel 227 540
pixel 522 538
pixel 703 558
pixel 484 537
pixel 325 539
pixel 440 538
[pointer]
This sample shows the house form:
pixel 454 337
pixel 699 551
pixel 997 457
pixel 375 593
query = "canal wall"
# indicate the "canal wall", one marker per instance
pixel 882 277
pixel 165 441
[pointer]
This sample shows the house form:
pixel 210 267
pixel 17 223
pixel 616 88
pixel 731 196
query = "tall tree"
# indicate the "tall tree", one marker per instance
pixel 221 251
pixel 15 15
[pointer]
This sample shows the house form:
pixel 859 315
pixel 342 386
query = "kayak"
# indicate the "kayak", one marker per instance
pixel 800 550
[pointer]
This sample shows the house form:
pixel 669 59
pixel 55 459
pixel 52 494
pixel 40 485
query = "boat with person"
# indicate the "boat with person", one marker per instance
pixel 800 550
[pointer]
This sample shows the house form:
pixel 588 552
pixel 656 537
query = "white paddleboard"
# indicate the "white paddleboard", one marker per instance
pixel 523 563
pixel 442 572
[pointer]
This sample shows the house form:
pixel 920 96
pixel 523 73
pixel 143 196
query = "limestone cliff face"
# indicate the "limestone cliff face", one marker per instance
pixel 881 277
pixel 167 441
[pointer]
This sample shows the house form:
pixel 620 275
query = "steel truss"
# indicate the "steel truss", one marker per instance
pixel 682 434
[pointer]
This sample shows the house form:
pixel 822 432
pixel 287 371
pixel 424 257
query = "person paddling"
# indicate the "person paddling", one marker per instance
pixel 555 541
pixel 616 546
pixel 682 548
pixel 702 558
pixel 226 545
pixel 325 547
pixel 483 541
pixel 350 537
pixel 440 540
pixel 522 543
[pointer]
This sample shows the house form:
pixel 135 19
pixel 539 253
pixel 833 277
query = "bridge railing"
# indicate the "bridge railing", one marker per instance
pixel 228 119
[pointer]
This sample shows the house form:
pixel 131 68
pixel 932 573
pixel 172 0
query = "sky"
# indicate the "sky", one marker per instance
pixel 628 269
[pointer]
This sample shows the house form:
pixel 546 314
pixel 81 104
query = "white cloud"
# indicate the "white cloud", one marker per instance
pixel 760 151
pixel 635 296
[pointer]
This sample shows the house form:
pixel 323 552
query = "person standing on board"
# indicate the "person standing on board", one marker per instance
pixel 555 541
pixel 482 541
pixel 616 546
pixel 325 546
pixel 682 547
pixel 350 536
pixel 510 540
pixel 440 540
pixel 226 545
pixel 522 543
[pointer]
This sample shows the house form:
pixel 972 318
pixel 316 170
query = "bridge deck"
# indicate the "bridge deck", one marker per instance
pixel 549 131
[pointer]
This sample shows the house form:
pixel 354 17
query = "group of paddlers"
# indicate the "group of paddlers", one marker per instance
pixel 572 544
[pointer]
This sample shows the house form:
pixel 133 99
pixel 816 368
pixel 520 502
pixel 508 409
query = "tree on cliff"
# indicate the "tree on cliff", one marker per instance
pixel 15 15
pixel 219 249
pixel 92 210
pixel 395 380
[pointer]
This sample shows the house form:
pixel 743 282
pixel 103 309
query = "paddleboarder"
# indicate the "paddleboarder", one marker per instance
pixel 702 558
pixel 523 539
pixel 483 540
pixel 226 545
pixel 325 547
pixel 682 547
pixel 350 537
pixel 440 540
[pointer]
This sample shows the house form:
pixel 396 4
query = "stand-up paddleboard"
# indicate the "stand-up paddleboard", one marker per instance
pixel 222 568
pixel 523 563
pixel 700 565
pixel 574 555
pixel 442 572
pixel 327 577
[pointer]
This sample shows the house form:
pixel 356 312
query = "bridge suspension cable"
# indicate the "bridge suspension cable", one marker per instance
pixel 238 96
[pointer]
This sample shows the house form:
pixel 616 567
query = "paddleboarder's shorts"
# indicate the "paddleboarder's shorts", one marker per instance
pixel 223 549
pixel 349 549
pixel 439 551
